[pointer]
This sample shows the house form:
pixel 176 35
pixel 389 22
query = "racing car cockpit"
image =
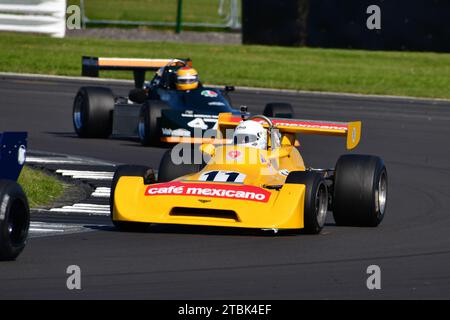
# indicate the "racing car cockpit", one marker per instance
pixel 251 133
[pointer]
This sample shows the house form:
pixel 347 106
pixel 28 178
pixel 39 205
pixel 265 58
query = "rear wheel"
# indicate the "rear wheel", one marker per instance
pixel 279 110
pixel 130 171
pixel 149 126
pixel 360 191
pixel 93 112
pixel 14 220
pixel 172 167
pixel 316 199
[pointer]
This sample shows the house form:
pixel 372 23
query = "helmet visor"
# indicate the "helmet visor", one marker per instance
pixel 244 138
pixel 187 79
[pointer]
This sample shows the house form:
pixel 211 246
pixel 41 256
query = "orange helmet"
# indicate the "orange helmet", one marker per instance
pixel 187 78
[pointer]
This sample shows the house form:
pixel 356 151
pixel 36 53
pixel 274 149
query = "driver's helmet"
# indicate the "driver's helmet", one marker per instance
pixel 250 134
pixel 186 79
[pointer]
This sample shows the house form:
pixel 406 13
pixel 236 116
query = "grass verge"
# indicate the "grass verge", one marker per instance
pixel 40 188
pixel 353 71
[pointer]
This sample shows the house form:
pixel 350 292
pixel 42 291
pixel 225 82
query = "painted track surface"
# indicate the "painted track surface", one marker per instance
pixel 412 245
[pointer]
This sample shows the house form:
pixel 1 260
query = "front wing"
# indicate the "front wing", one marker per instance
pixel 209 204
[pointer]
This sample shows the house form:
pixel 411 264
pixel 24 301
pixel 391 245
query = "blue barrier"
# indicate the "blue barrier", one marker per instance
pixel 13 147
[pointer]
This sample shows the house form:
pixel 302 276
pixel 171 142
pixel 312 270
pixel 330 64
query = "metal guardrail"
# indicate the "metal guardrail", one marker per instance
pixel 36 16
pixel 231 18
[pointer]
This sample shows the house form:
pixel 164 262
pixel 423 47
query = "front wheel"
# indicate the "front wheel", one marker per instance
pixel 149 126
pixel 360 191
pixel 316 199
pixel 184 160
pixel 14 220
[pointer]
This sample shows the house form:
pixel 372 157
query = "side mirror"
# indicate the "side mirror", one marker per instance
pixel 137 96
pixel 208 149
pixel 229 88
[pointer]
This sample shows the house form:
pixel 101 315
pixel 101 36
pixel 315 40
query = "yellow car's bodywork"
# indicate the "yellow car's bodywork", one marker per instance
pixel 239 187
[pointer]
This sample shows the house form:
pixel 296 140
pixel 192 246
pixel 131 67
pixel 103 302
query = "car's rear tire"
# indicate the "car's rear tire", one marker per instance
pixel 316 199
pixel 279 110
pixel 169 169
pixel 130 171
pixel 149 126
pixel 14 220
pixel 360 191
pixel 93 112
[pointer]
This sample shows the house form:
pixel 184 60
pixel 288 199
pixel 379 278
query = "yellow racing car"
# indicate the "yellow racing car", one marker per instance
pixel 257 180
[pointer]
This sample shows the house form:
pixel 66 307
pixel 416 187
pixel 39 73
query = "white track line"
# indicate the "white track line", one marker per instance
pixel 86 174
pixel 91 205
pixel 57 160
pixel 101 192
pixel 74 210
pixel 38 229
pixel 95 209
pixel 43 230
pixel 66 159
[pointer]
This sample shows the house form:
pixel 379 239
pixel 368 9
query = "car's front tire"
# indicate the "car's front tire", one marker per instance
pixel 149 125
pixel 14 220
pixel 360 191
pixel 93 112
pixel 170 169
pixel 316 199
pixel 130 171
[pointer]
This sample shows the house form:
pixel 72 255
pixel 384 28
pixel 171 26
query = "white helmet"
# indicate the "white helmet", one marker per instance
pixel 250 134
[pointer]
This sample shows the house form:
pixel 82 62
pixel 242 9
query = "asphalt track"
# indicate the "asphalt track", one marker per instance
pixel 411 246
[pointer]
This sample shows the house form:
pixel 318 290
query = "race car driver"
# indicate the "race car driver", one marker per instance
pixel 250 134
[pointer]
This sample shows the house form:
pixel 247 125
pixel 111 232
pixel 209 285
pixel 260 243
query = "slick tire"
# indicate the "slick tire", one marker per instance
pixel 170 167
pixel 149 126
pixel 360 191
pixel 93 112
pixel 129 171
pixel 316 199
pixel 279 110
pixel 14 220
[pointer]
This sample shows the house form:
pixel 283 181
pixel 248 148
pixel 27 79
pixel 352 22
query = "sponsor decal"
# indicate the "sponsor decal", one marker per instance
pixel 216 103
pixel 175 133
pixel 192 115
pixel 22 155
pixel 209 190
pixel 181 133
pixel 303 124
pixel 198 123
pixel 209 94
pixel 233 154
pixel 166 131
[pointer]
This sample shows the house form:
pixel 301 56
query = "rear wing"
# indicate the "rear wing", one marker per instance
pixel 350 130
pixel 91 66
